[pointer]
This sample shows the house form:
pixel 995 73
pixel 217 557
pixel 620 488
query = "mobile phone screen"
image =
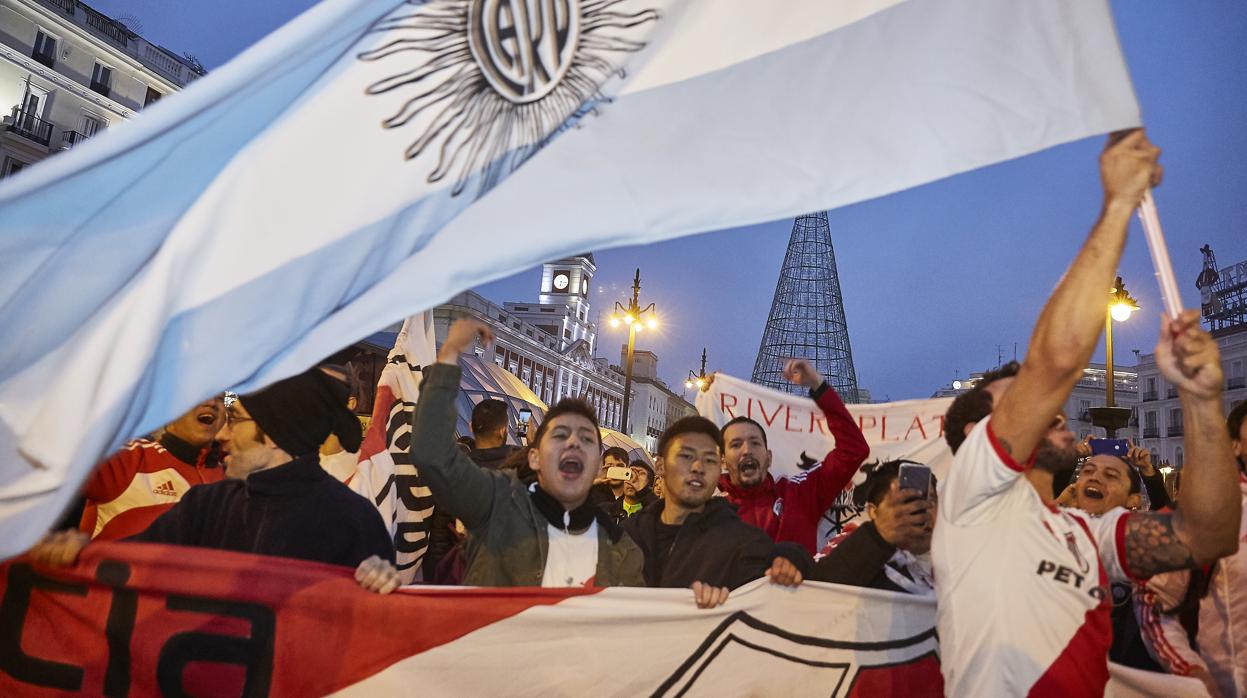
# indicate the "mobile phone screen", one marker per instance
pixel 915 477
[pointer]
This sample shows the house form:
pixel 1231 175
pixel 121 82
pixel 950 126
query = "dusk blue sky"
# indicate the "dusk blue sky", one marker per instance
pixel 936 277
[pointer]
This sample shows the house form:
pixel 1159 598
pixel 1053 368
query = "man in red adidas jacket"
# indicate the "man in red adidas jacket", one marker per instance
pixel 145 478
pixel 789 509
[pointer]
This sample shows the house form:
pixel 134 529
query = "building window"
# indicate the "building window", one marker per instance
pixel 153 96
pixel 11 166
pixel 91 125
pixel 102 79
pixel 1177 457
pixel 45 49
pixel 1236 379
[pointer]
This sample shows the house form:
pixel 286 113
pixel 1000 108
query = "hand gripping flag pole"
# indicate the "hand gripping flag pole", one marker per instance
pixel 1160 256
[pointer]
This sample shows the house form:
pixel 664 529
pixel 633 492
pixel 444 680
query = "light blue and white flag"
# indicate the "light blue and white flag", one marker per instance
pixel 374 157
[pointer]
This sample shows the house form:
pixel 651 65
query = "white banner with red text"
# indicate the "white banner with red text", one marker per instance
pixel 797 432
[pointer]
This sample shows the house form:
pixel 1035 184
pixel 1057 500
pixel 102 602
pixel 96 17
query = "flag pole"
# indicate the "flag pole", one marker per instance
pixel 1160 256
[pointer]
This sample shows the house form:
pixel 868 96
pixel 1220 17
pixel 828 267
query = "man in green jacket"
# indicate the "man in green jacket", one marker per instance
pixel 546 534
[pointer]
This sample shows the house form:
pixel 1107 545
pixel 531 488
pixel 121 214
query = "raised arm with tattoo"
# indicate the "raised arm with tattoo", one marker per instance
pixel 1205 525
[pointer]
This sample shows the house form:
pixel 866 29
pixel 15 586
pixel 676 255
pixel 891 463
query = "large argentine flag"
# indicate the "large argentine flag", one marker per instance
pixel 374 157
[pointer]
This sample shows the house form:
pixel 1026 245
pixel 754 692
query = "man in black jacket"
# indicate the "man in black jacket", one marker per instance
pixel 891 551
pixel 694 539
pixel 278 500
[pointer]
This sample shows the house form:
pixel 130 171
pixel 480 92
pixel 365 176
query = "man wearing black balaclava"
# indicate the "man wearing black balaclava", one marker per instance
pixel 277 501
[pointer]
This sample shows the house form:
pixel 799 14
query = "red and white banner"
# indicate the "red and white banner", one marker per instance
pixel 134 619
pixel 141 619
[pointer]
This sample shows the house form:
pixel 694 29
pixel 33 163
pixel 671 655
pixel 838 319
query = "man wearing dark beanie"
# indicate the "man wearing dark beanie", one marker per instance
pixel 277 501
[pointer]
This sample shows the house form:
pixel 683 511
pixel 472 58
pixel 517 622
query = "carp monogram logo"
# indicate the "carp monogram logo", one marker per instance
pixel 487 83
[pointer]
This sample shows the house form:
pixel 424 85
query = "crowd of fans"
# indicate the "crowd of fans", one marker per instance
pixel 1045 560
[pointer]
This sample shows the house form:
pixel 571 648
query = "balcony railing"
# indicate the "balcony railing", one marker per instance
pixel 66 6
pixel 1151 433
pixel 110 29
pixel 71 138
pixel 1232 383
pixel 164 63
pixel 47 59
pixel 1174 430
pixel 1150 397
pixel 28 125
pixel 101 87
pixel 1084 416
pixel 1171 393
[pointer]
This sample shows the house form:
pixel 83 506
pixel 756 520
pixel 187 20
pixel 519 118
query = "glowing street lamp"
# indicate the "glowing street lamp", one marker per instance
pixel 1120 307
pixel 637 319
pixel 697 379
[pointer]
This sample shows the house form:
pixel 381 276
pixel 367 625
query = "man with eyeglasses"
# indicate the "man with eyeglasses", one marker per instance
pixel 277 500
pixel 692 538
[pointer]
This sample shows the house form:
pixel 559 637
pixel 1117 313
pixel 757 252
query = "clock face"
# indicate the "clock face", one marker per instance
pixel 584 287
pixel 560 281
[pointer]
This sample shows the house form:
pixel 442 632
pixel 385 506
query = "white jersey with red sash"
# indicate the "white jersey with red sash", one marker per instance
pixel 1022 585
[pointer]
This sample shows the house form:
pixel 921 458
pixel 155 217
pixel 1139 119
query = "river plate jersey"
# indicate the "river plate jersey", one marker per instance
pixel 1022 585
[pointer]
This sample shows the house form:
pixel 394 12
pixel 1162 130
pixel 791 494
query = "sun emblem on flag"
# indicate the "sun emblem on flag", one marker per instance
pixel 487 83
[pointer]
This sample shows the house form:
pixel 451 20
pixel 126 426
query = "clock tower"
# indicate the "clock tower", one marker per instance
pixel 568 282
pixel 562 307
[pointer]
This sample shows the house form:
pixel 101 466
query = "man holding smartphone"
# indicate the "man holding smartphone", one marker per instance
pixel 891 550
pixel 1022 584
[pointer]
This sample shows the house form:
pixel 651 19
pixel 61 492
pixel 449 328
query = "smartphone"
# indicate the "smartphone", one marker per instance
pixel 914 476
pixel 526 416
pixel 619 473
pixel 1112 447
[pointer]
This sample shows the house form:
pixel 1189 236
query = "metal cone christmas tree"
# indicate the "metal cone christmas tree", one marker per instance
pixel 807 314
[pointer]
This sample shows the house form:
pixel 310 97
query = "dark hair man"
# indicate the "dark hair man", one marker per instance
pixel 891 550
pixel 694 539
pixel 1104 483
pixel 545 534
pixel 277 501
pixel 489 429
pixel 144 479
pixel 606 491
pixel 637 493
pixel 488 448
pixel 789 509
pixel 1023 606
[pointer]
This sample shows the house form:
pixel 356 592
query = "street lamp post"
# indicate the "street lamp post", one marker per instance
pixel 697 379
pixel 636 318
pixel 1120 307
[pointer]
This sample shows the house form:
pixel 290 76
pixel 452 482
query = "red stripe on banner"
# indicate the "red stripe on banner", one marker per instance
pixel 375 438
pixel 919 677
pixel 142 619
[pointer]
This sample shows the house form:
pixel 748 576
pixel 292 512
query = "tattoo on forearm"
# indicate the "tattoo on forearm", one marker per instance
pixel 1152 546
